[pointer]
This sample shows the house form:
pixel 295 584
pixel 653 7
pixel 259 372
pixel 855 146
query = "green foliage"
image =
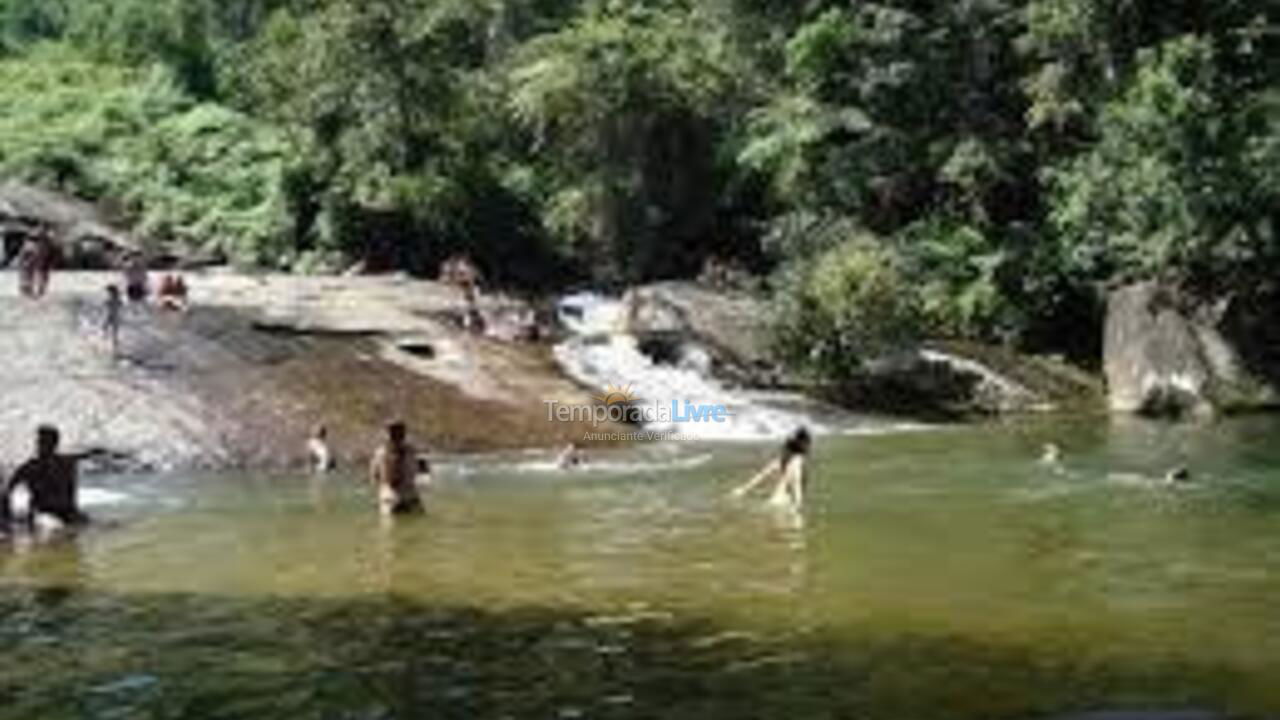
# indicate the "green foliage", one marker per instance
pixel 1014 156
pixel 197 176
pixel 621 102
pixel 1173 186
pixel 957 269
pixel 24 22
pixel 844 306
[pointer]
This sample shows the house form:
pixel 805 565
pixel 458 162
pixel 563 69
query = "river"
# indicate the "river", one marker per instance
pixel 939 573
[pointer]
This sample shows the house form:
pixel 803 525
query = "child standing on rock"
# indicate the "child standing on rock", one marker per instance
pixel 112 310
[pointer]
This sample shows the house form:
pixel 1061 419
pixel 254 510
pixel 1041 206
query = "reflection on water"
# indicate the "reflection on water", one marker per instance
pixel 935 575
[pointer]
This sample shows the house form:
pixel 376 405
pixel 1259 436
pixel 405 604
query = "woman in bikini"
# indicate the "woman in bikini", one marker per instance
pixel 791 469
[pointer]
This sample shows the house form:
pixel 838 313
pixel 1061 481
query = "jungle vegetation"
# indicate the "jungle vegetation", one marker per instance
pixel 979 169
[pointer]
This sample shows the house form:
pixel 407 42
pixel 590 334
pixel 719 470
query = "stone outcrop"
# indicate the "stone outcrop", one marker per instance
pixel 675 318
pixel 86 239
pixel 241 379
pixel 1169 354
pixel 957 379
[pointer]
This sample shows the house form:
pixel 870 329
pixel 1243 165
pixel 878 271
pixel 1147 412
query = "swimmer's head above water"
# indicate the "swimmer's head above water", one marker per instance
pixel 397 431
pixel 798 443
pixel 47 439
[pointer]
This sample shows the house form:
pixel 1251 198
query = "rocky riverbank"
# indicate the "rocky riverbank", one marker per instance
pixel 241 378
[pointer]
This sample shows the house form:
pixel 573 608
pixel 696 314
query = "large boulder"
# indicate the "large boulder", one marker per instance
pixel 960 379
pixel 671 318
pixel 1167 353
pixel 84 236
pixel 673 321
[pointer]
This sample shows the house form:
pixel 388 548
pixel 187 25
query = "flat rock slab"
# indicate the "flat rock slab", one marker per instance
pixel 242 378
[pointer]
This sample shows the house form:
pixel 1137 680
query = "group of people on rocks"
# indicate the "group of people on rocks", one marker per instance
pixel 512 324
pixel 170 295
pixel 36 260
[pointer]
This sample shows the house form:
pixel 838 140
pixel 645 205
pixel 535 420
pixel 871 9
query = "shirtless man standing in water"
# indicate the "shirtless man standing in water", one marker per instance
pixel 394 472
pixel 790 467
pixel 51 479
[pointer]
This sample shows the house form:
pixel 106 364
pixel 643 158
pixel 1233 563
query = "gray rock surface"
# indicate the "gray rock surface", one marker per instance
pixel 729 326
pixel 952 378
pixel 87 238
pixel 241 379
pixel 957 378
pixel 57 370
pixel 1168 355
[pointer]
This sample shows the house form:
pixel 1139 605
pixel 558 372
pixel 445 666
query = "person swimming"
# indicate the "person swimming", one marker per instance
pixel 791 469
pixel 571 457
pixel 393 473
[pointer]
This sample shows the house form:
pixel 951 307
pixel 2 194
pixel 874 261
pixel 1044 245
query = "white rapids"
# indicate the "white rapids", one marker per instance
pixel 601 353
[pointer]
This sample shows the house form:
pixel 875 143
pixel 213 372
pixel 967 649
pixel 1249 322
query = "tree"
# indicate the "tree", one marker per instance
pixel 622 103
pixel 1179 184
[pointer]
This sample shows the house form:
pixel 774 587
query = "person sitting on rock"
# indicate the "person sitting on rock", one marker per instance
pixel 172 294
pixel 393 473
pixel 51 478
pixel 460 272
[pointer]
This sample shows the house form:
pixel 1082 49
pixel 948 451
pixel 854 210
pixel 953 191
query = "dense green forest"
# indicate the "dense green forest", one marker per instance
pixel 981 169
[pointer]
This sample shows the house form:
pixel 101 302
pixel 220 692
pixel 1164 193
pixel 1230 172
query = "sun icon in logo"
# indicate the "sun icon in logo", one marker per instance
pixel 617 395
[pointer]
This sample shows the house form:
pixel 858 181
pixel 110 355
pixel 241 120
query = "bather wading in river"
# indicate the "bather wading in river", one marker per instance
pixel 319 454
pixel 791 470
pixel 394 471
pixel 570 457
pixel 51 478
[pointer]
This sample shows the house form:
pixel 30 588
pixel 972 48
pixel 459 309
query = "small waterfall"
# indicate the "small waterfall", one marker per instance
pixel 600 353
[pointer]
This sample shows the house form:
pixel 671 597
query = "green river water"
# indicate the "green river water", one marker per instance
pixel 935 574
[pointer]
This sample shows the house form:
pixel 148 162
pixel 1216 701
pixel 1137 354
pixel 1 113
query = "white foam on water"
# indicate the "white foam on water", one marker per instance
pixel 885 428
pixel 611 466
pixel 601 353
pixel 96 497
